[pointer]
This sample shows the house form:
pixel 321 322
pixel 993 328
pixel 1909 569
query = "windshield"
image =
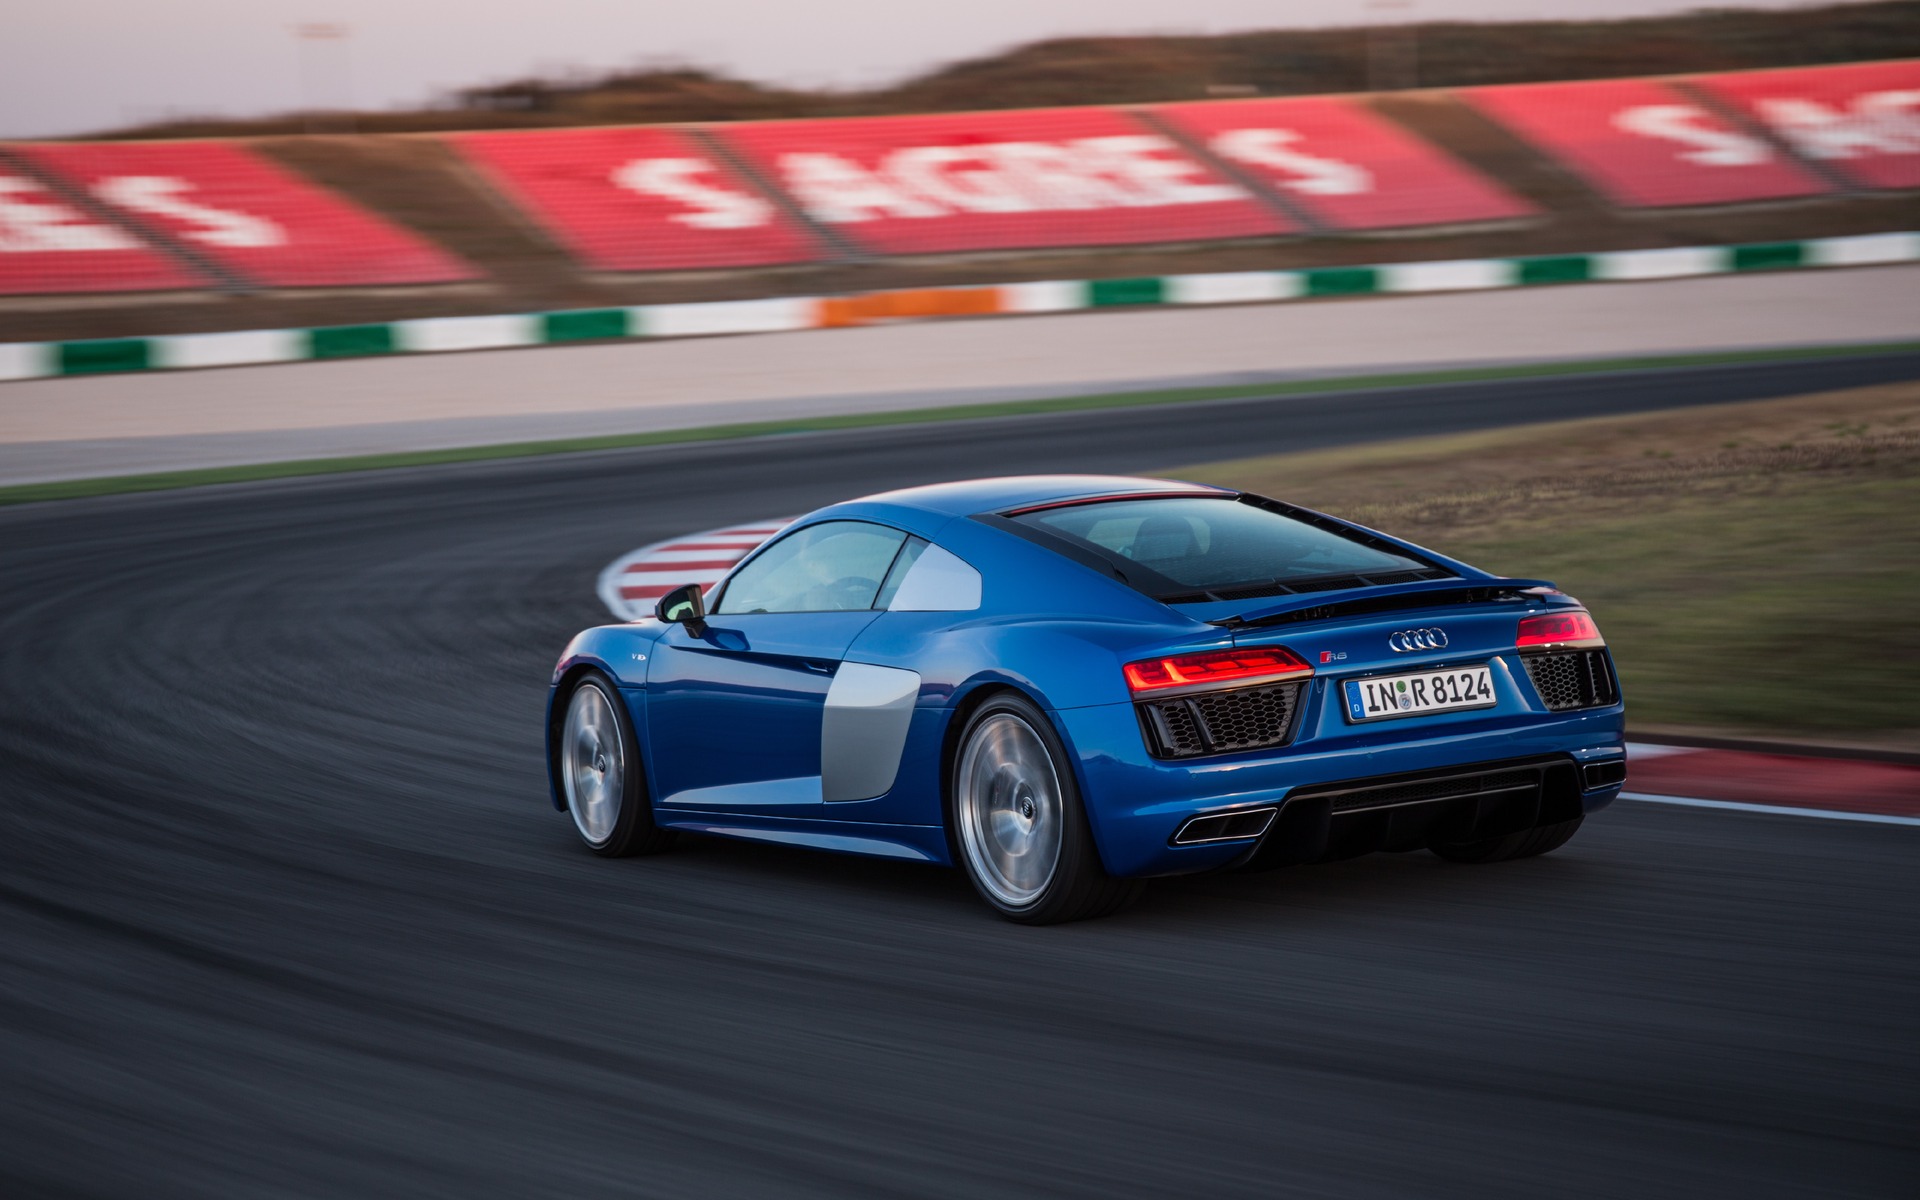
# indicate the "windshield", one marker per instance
pixel 1204 544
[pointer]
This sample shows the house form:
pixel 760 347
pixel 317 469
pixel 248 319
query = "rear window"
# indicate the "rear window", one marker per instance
pixel 1191 544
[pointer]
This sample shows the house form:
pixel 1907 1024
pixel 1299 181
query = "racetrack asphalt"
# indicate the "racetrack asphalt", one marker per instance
pixel 284 909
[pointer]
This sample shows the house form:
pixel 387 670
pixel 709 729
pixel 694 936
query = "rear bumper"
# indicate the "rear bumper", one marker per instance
pixel 1136 804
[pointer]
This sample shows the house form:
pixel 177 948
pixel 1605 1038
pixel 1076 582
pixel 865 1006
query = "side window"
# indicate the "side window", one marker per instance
pixel 933 580
pixel 834 566
pixel 909 554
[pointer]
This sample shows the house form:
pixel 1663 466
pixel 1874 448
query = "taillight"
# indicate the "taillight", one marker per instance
pixel 1213 668
pixel 1571 629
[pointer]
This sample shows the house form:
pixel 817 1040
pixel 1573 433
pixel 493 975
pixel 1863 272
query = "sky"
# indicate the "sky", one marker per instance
pixel 71 66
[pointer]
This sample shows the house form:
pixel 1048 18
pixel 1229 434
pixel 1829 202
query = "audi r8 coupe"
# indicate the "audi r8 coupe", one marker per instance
pixel 1068 684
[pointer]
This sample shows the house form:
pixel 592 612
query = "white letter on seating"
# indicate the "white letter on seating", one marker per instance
pixel 164 196
pixel 1710 147
pixel 31 225
pixel 841 191
pixel 1152 171
pixel 676 179
pixel 1314 176
pixel 1053 177
pixel 923 171
pixel 1880 123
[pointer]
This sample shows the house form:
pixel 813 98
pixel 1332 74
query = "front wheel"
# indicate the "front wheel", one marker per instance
pixel 600 774
pixel 1022 832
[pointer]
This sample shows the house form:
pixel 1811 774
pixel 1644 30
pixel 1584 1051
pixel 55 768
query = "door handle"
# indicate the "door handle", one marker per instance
pixel 818 667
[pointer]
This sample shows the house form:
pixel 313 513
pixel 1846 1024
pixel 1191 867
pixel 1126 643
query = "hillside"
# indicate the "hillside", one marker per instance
pixel 1126 70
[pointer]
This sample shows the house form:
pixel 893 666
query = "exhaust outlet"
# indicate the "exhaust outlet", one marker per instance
pixel 1224 827
pixel 1595 776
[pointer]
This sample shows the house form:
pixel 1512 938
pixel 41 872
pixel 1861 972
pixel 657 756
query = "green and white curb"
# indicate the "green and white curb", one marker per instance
pixel 37 360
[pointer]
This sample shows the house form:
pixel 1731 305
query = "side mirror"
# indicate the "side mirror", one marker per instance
pixel 684 605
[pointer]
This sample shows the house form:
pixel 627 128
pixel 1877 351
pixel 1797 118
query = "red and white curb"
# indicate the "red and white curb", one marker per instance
pixel 1794 785
pixel 631 583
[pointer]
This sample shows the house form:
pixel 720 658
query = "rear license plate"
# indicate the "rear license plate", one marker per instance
pixel 1418 693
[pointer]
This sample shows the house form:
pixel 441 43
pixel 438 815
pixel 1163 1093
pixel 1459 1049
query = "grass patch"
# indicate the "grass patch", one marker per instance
pixel 111 485
pixel 1753 565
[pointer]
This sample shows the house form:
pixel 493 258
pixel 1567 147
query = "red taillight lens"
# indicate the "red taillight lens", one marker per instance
pixel 1264 664
pixel 1559 629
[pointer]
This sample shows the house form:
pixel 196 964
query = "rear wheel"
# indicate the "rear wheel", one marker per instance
pixel 1525 844
pixel 1022 832
pixel 600 774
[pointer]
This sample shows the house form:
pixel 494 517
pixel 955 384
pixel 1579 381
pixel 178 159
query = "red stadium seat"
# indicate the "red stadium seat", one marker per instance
pixel 1000 180
pixel 257 221
pixel 48 246
pixel 637 199
pixel 1342 164
pixel 1643 144
pixel 1862 120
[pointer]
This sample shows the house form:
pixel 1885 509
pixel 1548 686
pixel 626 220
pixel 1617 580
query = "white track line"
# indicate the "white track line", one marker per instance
pixel 1826 814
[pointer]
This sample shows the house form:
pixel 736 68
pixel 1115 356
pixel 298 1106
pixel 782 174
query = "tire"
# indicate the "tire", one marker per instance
pixel 598 761
pixel 1019 828
pixel 1528 842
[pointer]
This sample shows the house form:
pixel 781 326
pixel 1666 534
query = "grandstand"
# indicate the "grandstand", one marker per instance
pixel 496 221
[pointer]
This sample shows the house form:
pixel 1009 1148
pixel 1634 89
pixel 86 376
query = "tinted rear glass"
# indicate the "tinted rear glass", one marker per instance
pixel 1201 544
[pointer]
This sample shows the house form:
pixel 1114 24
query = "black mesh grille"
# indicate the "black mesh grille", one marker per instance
pixel 1422 790
pixel 1243 719
pixel 1181 728
pixel 1573 679
pixel 1251 718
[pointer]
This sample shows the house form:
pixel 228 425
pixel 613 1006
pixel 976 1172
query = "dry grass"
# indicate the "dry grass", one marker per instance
pixel 1754 565
pixel 1475 485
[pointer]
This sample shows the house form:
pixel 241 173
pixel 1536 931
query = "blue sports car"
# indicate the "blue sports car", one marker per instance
pixel 1069 684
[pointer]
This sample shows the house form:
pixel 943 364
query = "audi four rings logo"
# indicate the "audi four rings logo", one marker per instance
pixel 1408 640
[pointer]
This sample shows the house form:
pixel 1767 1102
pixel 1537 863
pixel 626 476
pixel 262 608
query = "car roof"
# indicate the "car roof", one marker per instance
pixel 968 496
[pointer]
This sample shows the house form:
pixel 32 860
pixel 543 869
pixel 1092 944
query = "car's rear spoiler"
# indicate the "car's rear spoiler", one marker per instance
pixel 1319 606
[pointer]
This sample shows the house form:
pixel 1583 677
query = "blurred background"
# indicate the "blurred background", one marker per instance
pixel 741 153
pixel 352 353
